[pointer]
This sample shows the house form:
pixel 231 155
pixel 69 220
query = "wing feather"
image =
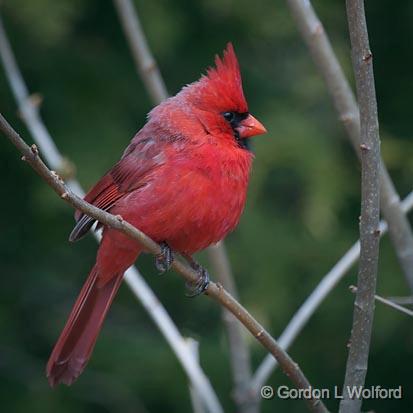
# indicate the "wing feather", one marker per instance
pixel 132 172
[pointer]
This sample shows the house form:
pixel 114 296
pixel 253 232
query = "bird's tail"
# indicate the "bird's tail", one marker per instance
pixel 74 346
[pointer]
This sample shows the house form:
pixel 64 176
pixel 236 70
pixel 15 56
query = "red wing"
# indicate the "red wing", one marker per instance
pixel 131 172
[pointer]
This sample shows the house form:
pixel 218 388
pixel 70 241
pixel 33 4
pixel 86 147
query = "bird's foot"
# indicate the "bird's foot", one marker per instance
pixel 163 261
pixel 201 284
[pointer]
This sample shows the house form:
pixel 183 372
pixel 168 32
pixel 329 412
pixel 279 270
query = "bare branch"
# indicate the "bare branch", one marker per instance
pixel 152 78
pixel 401 300
pixel 363 315
pixel 327 63
pixel 133 278
pixel 215 291
pixel 314 300
pixel 144 60
pixel 197 406
pixel 387 302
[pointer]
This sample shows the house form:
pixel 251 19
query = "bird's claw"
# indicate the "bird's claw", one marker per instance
pixel 199 286
pixel 163 261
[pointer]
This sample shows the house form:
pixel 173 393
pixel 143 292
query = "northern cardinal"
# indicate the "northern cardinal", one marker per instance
pixel 182 180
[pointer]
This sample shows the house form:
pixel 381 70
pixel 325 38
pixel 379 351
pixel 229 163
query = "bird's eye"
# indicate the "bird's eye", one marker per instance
pixel 229 116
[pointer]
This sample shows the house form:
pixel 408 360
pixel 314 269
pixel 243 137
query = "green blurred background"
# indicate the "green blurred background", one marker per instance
pixel 301 215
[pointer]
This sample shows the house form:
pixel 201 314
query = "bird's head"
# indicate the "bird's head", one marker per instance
pixel 219 102
pixel 216 103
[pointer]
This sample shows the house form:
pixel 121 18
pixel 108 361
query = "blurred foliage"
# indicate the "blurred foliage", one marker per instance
pixel 301 216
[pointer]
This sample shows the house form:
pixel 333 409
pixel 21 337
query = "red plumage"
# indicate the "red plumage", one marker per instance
pixel 182 180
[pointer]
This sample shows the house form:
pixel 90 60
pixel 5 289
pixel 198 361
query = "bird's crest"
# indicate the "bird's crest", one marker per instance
pixel 221 87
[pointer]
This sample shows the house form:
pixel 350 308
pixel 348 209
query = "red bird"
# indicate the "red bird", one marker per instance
pixel 182 180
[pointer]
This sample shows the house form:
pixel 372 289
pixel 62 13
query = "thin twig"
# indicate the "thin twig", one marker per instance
pixel 356 369
pixel 314 300
pixel 387 302
pixel 313 34
pixel 147 67
pixel 401 300
pixel 215 291
pixel 133 278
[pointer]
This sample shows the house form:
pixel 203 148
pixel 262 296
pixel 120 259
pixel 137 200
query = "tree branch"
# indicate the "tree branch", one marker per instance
pixel 246 401
pixel 401 300
pixel 363 315
pixel 142 56
pixel 316 39
pixel 133 278
pixel 215 291
pixel 197 405
pixel 314 300
pixel 387 302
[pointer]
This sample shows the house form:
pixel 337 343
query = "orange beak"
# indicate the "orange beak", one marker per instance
pixel 250 127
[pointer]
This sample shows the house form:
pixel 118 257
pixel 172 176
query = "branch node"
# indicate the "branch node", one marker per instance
pixel 65 195
pixel 260 333
pixel 364 147
pixel 119 218
pixel 23 158
pixel 368 56
pixel 219 285
pixel 377 232
pixel 34 149
pixel 35 99
pixel 57 176
pixel 318 30
pixel 149 66
pixel 348 117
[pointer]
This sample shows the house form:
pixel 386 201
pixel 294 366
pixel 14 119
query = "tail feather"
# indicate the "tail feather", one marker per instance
pixel 75 344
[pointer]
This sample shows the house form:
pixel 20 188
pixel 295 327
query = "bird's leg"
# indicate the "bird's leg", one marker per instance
pixel 199 286
pixel 163 261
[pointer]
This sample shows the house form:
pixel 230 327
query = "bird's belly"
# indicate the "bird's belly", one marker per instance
pixel 189 216
pixel 206 223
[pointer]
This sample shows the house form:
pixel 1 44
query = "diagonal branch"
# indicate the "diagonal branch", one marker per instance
pixel 215 291
pixel 149 72
pixel 142 56
pixel 363 315
pixel 314 300
pixel 316 39
pixel 401 300
pixel 133 278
